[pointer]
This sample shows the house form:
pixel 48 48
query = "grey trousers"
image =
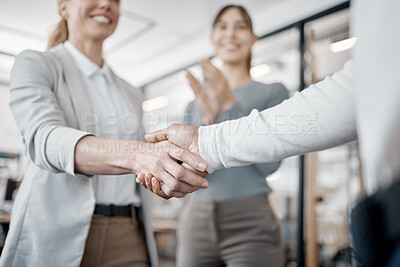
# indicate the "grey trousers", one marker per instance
pixel 235 233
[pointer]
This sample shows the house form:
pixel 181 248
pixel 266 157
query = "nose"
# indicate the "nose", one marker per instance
pixel 104 3
pixel 230 32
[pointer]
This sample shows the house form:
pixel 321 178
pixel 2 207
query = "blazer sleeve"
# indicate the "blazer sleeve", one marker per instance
pixel 320 117
pixel 49 142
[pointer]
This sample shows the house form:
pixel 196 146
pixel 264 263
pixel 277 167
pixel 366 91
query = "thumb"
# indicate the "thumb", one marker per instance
pixel 157 136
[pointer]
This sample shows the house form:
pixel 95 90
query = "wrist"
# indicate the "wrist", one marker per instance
pixel 131 154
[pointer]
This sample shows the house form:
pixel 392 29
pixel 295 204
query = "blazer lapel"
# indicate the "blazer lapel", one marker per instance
pixel 74 83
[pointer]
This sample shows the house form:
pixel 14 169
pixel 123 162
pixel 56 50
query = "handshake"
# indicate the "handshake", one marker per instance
pixel 182 170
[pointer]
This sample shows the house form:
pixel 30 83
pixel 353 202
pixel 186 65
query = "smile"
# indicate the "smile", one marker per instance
pixel 230 46
pixel 102 19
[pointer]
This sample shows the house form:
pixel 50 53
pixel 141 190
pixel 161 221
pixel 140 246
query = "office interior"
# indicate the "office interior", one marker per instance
pixel 301 42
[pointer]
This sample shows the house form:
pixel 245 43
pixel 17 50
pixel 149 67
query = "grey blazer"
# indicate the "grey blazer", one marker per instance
pixel 54 206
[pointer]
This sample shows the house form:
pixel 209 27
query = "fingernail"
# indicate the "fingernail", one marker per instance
pixel 205 184
pixel 202 165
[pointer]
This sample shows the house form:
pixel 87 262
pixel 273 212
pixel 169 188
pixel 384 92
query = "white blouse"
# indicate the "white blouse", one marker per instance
pixel 112 118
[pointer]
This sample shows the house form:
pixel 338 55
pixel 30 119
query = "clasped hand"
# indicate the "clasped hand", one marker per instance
pixel 177 180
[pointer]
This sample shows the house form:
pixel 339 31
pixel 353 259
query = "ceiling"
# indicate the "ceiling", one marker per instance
pixel 154 37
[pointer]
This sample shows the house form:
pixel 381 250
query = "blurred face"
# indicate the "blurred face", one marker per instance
pixel 232 37
pixel 90 19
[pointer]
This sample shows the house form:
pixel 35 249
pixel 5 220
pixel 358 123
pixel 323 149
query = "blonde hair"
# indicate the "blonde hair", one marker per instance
pixel 59 34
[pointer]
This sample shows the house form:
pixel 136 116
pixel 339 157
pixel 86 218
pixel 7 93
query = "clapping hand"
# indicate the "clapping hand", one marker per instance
pixel 218 96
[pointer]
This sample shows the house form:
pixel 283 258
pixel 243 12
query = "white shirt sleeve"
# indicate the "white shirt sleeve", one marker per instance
pixel 319 117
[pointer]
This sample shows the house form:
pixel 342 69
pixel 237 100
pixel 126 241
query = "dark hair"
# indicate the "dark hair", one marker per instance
pixel 59 34
pixel 247 20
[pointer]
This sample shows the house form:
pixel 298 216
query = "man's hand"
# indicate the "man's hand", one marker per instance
pixel 181 135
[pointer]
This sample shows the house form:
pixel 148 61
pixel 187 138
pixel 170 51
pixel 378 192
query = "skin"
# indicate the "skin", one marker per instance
pixel 232 39
pixel 94 155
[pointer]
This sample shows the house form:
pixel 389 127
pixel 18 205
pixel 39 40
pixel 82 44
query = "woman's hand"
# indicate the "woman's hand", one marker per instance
pixel 160 160
pixel 208 102
pixel 218 84
pixel 151 183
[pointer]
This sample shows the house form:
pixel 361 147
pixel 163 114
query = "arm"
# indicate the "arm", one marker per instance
pixel 50 143
pixel 320 117
pixel 56 147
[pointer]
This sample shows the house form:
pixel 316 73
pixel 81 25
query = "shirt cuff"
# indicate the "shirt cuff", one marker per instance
pixel 60 149
pixel 209 148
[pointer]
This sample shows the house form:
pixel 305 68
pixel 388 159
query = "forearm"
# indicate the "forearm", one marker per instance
pixel 94 155
pixel 322 116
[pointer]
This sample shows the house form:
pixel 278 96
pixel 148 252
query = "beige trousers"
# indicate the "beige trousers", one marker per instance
pixel 235 233
pixel 115 241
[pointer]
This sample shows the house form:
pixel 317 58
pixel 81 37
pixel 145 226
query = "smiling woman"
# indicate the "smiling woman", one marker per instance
pixel 78 204
pixel 231 223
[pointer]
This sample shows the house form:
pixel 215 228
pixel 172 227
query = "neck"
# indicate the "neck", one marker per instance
pixel 236 74
pixel 91 49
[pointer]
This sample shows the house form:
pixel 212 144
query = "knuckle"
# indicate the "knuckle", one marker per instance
pixel 169 193
pixel 180 172
pixel 174 186
pixel 179 153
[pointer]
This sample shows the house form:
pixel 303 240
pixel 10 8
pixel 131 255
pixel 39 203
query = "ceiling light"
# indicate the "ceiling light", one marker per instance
pixel 260 70
pixel 342 45
pixel 155 103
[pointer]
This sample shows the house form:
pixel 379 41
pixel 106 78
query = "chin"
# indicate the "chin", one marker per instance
pixel 231 57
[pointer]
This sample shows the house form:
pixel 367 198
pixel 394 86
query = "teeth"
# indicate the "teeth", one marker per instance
pixel 230 46
pixel 102 19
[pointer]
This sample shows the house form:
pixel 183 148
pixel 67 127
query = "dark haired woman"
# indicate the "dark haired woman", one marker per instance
pixel 231 223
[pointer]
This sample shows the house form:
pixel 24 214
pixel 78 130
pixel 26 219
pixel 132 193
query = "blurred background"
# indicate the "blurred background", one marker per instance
pixel 301 42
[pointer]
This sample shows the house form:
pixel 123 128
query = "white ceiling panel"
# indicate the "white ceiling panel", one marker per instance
pixel 155 37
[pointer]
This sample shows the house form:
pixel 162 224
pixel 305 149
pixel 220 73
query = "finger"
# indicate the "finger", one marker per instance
pixel 148 178
pixel 157 188
pixel 170 193
pixel 183 179
pixel 157 136
pixel 140 178
pixel 188 157
pixel 202 174
pixel 210 71
pixel 175 185
pixel 197 88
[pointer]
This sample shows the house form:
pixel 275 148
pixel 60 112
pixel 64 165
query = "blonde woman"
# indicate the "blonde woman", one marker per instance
pixel 78 204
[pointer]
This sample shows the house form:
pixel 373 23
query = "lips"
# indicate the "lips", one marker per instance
pixel 230 46
pixel 101 19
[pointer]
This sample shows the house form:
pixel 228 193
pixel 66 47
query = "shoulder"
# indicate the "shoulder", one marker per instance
pixel 190 105
pixel 271 88
pixel 265 89
pixel 272 93
pixel 33 65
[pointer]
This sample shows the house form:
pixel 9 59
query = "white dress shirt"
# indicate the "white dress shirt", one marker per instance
pixel 112 118
pixel 362 100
